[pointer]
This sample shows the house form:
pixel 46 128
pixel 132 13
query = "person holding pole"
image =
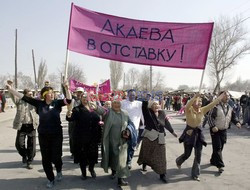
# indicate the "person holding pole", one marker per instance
pixel 50 132
pixel 192 136
pixel 86 135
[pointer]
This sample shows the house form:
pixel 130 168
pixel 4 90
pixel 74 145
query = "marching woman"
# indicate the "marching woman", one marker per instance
pixel 86 135
pixel 118 131
pixel 50 132
pixel 192 136
pixel 153 149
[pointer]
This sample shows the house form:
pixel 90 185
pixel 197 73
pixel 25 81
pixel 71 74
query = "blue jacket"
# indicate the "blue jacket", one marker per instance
pixel 133 134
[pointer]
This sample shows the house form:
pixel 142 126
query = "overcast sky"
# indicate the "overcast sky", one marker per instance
pixel 43 26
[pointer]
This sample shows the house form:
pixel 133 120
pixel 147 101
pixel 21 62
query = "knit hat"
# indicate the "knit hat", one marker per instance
pixel 79 89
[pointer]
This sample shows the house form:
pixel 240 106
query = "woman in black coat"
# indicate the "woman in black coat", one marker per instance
pixel 86 136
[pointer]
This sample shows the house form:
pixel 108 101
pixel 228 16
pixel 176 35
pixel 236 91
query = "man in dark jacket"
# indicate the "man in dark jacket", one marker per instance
pixel 219 119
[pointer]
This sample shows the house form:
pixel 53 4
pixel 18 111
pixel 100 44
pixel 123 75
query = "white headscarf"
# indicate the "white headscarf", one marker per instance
pixel 151 102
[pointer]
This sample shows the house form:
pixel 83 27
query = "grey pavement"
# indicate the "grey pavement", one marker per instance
pixel 236 157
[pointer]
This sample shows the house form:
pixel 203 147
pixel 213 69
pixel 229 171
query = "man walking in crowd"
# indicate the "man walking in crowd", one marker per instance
pixel 134 109
pixel 25 122
pixel 219 119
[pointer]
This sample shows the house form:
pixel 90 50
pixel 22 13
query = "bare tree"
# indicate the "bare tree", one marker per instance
pixel 238 85
pixel 143 80
pixel 42 72
pixel 55 81
pixel 76 72
pixel 4 78
pixel 183 87
pixel 228 45
pixel 158 81
pixel 131 78
pixel 24 81
pixel 116 73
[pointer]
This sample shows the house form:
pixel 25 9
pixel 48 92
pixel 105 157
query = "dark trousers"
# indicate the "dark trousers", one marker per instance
pixel 28 152
pixel 70 131
pixel 131 152
pixel 51 151
pixel 3 106
pixel 140 137
pixel 218 140
pixel 197 157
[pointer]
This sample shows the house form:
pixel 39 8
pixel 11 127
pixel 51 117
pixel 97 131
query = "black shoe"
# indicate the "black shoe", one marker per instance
pixel 84 173
pixel 29 166
pixel 83 177
pixel 163 177
pixel 24 160
pixel 113 174
pixel 144 167
pixel 92 173
pixel 122 182
pixel 220 170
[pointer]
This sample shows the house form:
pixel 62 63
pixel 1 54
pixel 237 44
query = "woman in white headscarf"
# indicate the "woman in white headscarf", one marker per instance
pixel 153 149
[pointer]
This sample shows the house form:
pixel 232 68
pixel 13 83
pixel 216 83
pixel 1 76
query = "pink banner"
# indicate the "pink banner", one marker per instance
pixel 103 87
pixel 181 45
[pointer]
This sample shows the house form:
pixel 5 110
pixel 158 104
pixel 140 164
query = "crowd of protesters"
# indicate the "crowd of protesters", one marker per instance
pixel 118 125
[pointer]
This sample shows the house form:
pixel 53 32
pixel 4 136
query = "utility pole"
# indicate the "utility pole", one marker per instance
pixel 34 66
pixel 150 78
pixel 16 59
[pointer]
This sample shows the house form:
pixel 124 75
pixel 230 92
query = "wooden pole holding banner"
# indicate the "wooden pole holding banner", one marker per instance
pixel 150 78
pixel 202 76
pixel 16 59
pixel 66 66
pixel 67 52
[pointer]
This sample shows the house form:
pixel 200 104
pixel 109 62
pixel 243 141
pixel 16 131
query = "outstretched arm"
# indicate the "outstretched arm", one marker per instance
pixel 27 99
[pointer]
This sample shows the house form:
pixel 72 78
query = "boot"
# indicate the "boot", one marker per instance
pixel 113 174
pixel 84 173
pixel 163 178
pixel 144 167
pixel 122 182
pixel 92 171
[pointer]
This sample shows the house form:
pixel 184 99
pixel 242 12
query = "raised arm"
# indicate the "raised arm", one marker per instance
pixel 191 101
pixel 32 101
pixel 14 92
pixel 208 107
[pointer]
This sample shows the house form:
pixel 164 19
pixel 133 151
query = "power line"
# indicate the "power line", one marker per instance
pixel 238 6
pixel 243 20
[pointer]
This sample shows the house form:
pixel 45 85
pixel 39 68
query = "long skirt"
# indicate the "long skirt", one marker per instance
pixel 153 155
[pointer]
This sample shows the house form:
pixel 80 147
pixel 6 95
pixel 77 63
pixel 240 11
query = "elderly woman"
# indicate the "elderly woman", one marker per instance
pixel 86 136
pixel 116 133
pixel 192 135
pixel 153 150
pixel 49 129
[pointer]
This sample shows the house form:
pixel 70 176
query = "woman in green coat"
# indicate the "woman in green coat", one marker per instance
pixel 115 141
